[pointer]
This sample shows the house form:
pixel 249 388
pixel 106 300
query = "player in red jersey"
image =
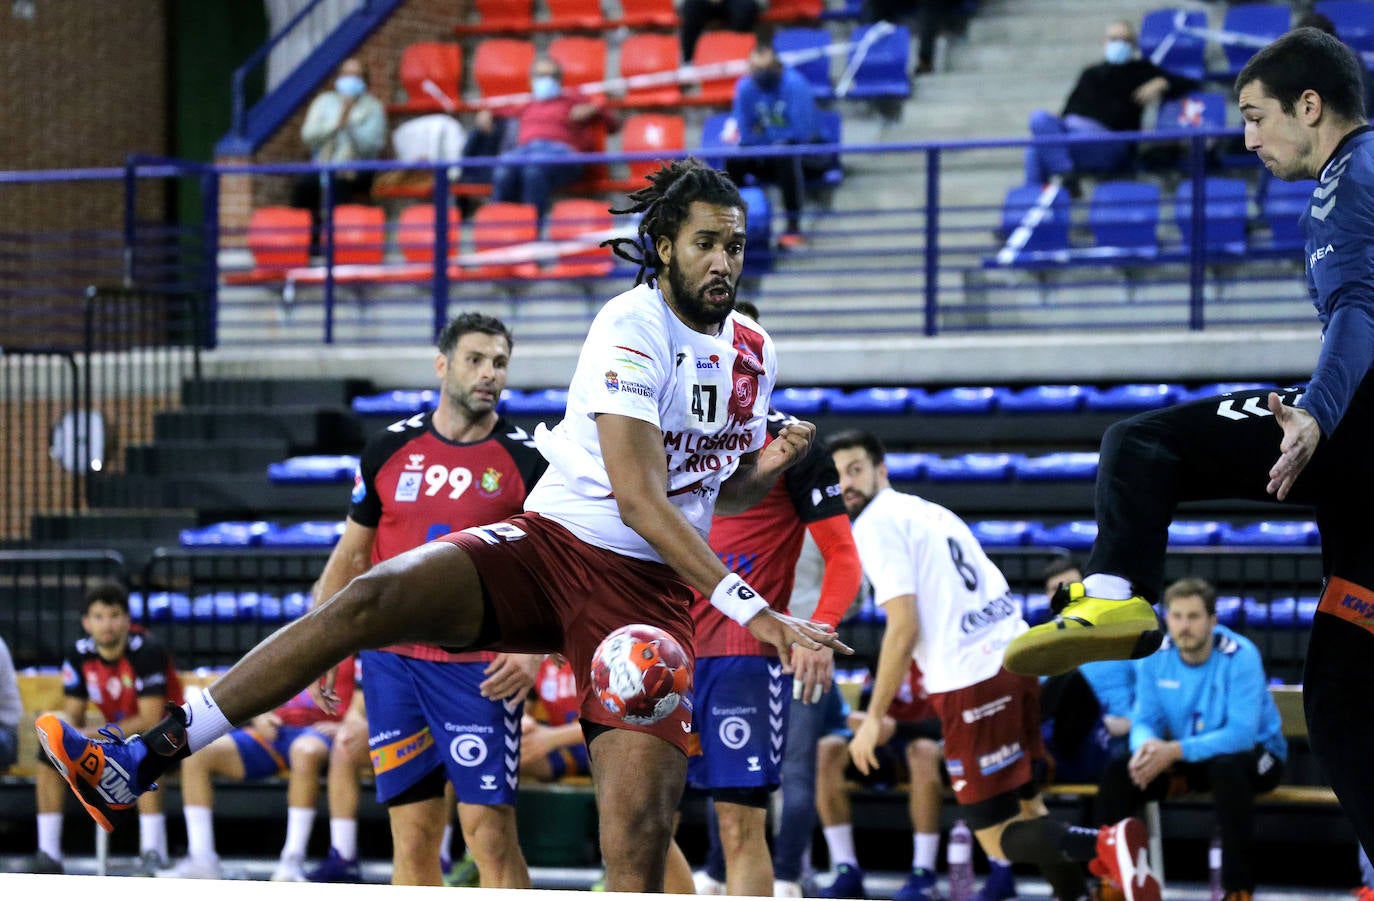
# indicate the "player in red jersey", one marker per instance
pixel 613 534
pixel 553 747
pixel 433 714
pixel 127 675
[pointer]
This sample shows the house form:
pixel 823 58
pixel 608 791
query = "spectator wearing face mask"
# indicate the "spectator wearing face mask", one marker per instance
pixel 774 106
pixel 555 123
pixel 341 125
pixel 1109 96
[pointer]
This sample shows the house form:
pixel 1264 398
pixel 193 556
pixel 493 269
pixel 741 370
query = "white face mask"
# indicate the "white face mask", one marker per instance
pixel 1118 51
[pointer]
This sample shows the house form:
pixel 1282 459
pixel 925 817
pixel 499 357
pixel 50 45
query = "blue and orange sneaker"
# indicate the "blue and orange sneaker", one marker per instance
pixel 103 774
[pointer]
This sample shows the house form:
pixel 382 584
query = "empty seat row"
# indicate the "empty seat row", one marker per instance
pixel 518 16
pixel 238 534
pixel 220 606
pixel 1080 534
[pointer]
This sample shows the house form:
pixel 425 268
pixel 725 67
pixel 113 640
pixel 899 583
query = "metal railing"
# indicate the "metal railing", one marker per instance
pixel 42 595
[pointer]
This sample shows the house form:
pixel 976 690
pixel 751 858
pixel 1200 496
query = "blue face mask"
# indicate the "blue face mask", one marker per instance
pixel 767 79
pixel 1118 51
pixel 350 85
pixel 545 87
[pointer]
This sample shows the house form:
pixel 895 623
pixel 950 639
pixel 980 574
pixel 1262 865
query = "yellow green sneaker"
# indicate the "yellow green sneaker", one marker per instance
pixel 1085 629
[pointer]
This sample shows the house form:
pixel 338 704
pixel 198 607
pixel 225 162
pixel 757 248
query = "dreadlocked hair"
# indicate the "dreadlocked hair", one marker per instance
pixel 665 203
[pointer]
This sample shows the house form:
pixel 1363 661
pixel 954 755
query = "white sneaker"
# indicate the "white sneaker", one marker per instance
pixel 194 868
pixel 784 889
pixel 289 869
pixel 705 885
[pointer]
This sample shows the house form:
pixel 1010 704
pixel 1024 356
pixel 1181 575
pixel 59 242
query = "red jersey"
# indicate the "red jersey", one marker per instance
pixel 911 704
pixel 144 670
pixel 302 709
pixel 763 543
pixel 551 120
pixel 557 699
pixel 414 485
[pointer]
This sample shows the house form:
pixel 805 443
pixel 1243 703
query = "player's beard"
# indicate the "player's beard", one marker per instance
pixel 693 304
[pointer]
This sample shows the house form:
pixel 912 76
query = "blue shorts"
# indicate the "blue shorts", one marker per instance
pixel 262 758
pixel 9 747
pixel 422 714
pixel 739 712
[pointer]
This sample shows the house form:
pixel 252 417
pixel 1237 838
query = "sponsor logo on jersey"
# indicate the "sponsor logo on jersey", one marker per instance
pixel 734 732
pixel 612 381
pixel 417 461
pixel 468 750
pixel 390 756
pixel 983 711
pixel 1000 759
pixel 490 483
pixel 1318 254
pixel 955 768
pixel 638 388
pixel 408 487
pixel 711 362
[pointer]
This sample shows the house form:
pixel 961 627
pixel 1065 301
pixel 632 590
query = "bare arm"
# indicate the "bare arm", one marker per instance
pixel 759 472
pixel 351 557
pixel 894 662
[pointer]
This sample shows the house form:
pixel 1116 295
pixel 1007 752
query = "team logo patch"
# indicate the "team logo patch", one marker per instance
pixel 734 732
pixel 491 482
pixel 408 487
pixel 359 487
pixel 612 380
pixel 468 750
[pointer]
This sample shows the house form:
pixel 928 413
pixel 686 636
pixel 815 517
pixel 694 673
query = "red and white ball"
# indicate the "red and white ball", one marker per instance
pixel 640 673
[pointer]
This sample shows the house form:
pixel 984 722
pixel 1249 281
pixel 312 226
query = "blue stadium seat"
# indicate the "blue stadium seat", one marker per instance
pixel 829 130
pixel 1185 54
pixel 269 608
pixel 1260 20
pixel 1125 215
pixel 161 604
pixel 804 401
pixel 1043 399
pixel 1075 535
pixel 1194 534
pixel 958 400
pixel 304 535
pixel 1216 389
pixel 1271 534
pixel 758 229
pixel 972 468
pixel 875 401
pixel 1254 613
pixel 1226 209
pixel 713 138
pixel 294 604
pixel 202 610
pixel 1306 610
pixel 1132 397
pixel 1200 109
pixel 313 469
pixel 907 467
pixel 219 606
pixel 548 402
pixel 886 65
pixel 1283 613
pixel 1052 232
pixel 1001 532
pixel 1354 21
pixel 1283 206
pixel 225 534
pixel 816 71
pixel 1037 609
pixel 1058 467
pixel 1229 610
pixel 396 403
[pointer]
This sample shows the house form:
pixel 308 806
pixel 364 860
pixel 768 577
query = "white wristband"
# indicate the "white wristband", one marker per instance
pixel 737 600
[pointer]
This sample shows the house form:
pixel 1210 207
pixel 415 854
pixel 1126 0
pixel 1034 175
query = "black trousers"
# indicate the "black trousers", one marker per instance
pixel 930 15
pixel 1233 780
pixel 695 15
pixel 783 171
pixel 1221 448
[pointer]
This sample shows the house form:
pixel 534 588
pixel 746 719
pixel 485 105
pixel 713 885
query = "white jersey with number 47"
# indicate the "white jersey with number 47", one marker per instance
pixel 708 394
pixel 910 546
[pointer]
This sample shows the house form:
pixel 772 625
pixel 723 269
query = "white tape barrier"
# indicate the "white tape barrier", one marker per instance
pixel 1225 38
pixel 1016 241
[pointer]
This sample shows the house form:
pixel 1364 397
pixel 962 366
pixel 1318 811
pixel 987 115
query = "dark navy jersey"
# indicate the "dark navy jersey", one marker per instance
pixel 1339 231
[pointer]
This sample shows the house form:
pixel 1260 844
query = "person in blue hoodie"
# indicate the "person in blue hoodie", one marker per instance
pixel 774 107
pixel 1203 715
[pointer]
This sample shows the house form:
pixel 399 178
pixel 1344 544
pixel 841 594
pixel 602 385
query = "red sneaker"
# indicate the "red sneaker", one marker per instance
pixel 791 240
pixel 1122 857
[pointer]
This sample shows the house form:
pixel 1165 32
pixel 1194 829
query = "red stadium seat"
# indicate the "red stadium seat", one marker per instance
pixel 574 15
pixel 582 59
pixel 595 176
pixel 500 17
pixel 650 131
pixel 648 14
pixel 719 47
pixel 415 232
pixel 498 225
pixel 570 219
pixel 794 10
pixel 502 66
pixel 429 68
pixel 359 233
pixel 645 54
pixel 278 239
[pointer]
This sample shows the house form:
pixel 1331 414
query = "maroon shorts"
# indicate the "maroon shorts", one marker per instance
pixel 992 733
pixel 551 591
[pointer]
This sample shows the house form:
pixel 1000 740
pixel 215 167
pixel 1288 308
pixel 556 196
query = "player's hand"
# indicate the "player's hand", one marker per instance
pixel 323 693
pixel 785 632
pixel 812 674
pixel 535 745
pixel 510 676
pixel 1150 760
pixel 1300 436
pixel 791 444
pixel 863 747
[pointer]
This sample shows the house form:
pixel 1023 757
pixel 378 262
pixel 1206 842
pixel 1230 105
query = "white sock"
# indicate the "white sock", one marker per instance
pixel 343 836
pixel 204 722
pixel 925 846
pixel 299 822
pixel 446 843
pixel 200 832
pixel 1101 585
pixel 50 834
pixel 840 840
pixel 152 834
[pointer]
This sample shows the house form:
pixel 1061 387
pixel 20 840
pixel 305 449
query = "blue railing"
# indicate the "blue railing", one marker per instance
pixel 923 260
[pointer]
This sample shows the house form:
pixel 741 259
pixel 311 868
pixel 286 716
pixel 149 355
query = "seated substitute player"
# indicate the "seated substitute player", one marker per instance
pixel 1203 716
pixel 552 747
pixel 348 759
pixel 908 752
pixel 949 606
pixel 127 675
pixel 613 534
pixel 293 741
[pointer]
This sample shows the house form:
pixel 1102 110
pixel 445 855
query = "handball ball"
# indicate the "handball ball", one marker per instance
pixel 639 674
